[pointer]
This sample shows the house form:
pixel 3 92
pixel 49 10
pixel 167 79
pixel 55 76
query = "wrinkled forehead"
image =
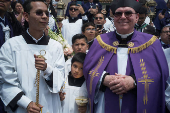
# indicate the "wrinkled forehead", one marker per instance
pixel 124 9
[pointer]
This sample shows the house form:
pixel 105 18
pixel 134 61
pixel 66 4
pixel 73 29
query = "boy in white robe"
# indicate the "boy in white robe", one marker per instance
pixel 19 65
pixel 80 44
pixel 74 86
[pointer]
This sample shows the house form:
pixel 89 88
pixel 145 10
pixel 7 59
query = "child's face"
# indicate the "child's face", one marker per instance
pixel 80 45
pixel 77 69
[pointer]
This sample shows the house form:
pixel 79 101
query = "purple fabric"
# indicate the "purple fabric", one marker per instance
pixel 156 67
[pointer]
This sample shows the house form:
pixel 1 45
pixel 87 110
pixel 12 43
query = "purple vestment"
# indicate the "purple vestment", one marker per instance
pixel 149 65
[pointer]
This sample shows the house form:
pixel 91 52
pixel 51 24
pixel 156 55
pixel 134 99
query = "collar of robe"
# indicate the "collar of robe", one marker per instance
pixel 75 81
pixel 44 41
pixel 73 20
pixel 123 40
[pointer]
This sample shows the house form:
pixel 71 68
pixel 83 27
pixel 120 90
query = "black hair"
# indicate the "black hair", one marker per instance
pixel 27 5
pixel 79 57
pixel 143 10
pixel 72 3
pixel 102 14
pixel 13 4
pixel 86 25
pixel 79 36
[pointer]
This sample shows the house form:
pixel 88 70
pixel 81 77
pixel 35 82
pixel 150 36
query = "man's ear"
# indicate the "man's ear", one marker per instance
pixel 137 17
pixel 26 16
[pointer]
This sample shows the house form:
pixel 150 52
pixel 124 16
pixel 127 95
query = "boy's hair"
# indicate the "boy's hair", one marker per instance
pixel 87 25
pixel 79 36
pixel 79 57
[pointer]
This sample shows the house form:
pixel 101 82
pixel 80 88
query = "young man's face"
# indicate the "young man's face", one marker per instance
pixel 77 69
pixel 4 5
pixel 38 16
pixel 99 19
pixel 73 11
pixel 142 18
pixel 80 45
pixel 89 33
pixel 125 23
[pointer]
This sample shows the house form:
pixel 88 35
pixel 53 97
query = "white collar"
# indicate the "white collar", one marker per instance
pixel 124 35
pixel 36 41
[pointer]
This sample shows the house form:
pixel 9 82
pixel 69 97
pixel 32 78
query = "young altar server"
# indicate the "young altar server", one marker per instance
pixel 74 86
pixel 19 65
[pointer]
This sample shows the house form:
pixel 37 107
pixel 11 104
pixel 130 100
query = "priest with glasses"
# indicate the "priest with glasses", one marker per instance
pixel 126 70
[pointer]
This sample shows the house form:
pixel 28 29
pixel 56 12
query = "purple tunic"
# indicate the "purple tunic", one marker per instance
pixel 148 64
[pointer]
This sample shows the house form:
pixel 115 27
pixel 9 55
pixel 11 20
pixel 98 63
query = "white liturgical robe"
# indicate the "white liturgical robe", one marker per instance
pixel 70 29
pixel 69 104
pixel 18 73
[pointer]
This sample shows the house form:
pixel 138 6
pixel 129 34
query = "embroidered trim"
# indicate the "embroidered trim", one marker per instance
pixel 106 46
pixel 132 50
pixel 144 46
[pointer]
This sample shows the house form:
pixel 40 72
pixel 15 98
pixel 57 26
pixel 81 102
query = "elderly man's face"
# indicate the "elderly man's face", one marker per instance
pixel 165 35
pixel 125 19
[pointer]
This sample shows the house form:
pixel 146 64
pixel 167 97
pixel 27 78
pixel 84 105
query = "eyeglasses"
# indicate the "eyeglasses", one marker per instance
pixel 127 14
pixel 100 18
pixel 71 9
pixel 90 29
pixel 165 31
pixel 40 13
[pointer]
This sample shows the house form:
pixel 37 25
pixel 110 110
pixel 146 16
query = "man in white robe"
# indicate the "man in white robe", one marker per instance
pixel 73 24
pixel 19 65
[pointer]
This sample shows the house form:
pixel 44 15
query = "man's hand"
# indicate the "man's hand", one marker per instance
pixel 80 8
pixel 160 16
pixel 62 96
pixel 93 11
pixel 104 11
pixel 98 32
pixel 33 108
pixel 121 85
pixel 108 79
pixel 40 63
pixel 82 109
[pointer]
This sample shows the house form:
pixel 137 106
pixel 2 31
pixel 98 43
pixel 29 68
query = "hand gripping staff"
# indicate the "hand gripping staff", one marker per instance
pixel 37 80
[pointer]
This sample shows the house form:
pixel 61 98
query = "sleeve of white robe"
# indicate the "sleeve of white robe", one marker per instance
pixel 58 69
pixel 9 86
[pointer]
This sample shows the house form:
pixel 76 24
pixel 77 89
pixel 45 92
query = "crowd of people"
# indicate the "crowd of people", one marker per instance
pixel 117 60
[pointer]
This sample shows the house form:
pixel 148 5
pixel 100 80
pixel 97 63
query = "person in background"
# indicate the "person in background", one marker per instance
pixel 165 36
pixel 18 10
pixel 67 10
pixel 141 25
pixel 162 18
pixel 73 24
pixel 99 21
pixel 88 29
